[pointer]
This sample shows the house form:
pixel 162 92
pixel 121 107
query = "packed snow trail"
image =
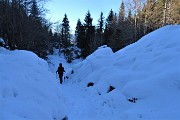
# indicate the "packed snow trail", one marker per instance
pixel 79 105
pixel 86 103
pixel 78 102
pixel 81 102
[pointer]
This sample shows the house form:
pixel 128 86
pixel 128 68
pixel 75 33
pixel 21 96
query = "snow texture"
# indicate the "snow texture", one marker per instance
pixel 139 82
pixel 28 90
pixel 2 41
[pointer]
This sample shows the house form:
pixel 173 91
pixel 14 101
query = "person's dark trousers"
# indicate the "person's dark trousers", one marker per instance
pixel 60 77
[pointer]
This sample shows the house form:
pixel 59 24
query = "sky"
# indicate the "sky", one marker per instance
pixel 78 8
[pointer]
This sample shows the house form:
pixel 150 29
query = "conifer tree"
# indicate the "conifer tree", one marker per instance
pixel 124 27
pixel 129 28
pixel 65 32
pixel 101 23
pixel 100 30
pixel 88 19
pixel 108 33
pixel 79 34
pixel 122 12
pixel 88 42
pixel 34 13
pixel 110 17
pixel 114 43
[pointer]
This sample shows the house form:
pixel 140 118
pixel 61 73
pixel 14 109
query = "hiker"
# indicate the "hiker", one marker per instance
pixel 60 71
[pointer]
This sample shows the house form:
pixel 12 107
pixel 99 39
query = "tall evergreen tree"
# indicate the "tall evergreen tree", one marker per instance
pixel 100 29
pixel 122 12
pixel 114 43
pixel 88 19
pixel 35 13
pixel 108 33
pixel 65 32
pixel 129 28
pixel 101 23
pixel 124 26
pixel 79 34
pixel 88 42
pixel 110 17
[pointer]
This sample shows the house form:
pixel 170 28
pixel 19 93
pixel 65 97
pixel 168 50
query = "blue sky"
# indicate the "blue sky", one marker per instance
pixel 78 8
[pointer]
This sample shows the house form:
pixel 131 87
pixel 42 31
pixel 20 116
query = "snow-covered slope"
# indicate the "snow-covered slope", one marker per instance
pixel 145 75
pixel 27 89
pixel 148 71
pixel 2 42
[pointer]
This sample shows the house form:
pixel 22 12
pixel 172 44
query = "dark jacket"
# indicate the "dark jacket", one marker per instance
pixel 60 70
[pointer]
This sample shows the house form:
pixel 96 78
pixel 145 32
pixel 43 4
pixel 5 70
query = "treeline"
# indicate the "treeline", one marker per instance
pixel 135 19
pixel 22 26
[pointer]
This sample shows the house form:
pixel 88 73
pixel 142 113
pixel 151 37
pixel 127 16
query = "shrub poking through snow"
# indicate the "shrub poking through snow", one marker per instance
pixel 133 100
pixel 90 84
pixel 66 77
pixel 65 118
pixel 110 89
pixel 72 71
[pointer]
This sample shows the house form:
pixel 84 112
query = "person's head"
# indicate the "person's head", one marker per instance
pixel 60 64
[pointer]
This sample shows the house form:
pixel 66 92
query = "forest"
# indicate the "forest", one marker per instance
pixel 23 26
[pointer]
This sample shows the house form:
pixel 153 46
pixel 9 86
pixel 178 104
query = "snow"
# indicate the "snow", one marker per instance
pixel 147 70
pixel 2 41
pixel 27 89
pixel 56 58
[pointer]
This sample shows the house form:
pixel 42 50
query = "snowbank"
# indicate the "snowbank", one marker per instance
pixel 139 82
pixel 28 90
pixel 145 76
pixel 2 42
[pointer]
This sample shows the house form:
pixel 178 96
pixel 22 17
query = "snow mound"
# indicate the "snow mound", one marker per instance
pixel 101 51
pixel 145 76
pixel 2 43
pixel 27 89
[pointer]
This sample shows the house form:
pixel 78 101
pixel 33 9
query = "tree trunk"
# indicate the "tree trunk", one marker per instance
pixel 165 13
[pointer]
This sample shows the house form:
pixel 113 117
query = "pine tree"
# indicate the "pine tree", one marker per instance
pixel 88 20
pixel 125 27
pixel 65 32
pixel 34 13
pixel 110 17
pixel 129 28
pixel 100 30
pixel 114 43
pixel 79 34
pixel 108 32
pixel 88 42
pixel 122 12
pixel 101 23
